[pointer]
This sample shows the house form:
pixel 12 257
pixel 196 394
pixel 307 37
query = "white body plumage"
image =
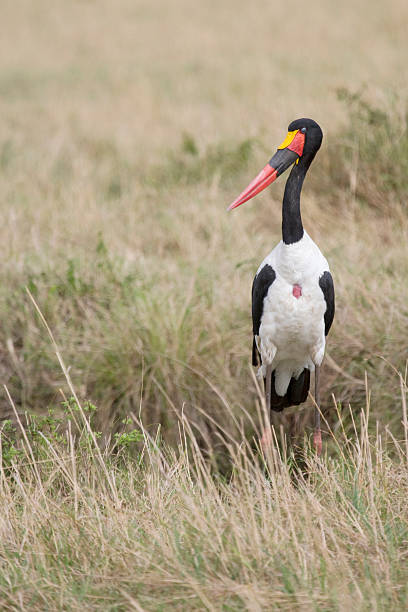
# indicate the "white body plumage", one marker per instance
pixel 292 330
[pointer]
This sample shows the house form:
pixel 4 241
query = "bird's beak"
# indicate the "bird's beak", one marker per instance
pixel 287 154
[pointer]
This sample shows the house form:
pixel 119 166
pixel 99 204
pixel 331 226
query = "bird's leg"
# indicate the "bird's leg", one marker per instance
pixel 294 429
pixel 268 387
pixel 317 436
pixel 266 439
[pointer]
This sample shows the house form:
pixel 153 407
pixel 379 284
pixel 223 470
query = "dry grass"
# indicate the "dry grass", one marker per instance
pixel 125 130
pixel 161 531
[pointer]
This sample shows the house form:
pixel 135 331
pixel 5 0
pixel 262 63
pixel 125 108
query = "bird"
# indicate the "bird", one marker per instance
pixel 293 300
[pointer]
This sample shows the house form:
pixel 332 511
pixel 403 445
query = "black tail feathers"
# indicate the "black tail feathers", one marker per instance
pixel 296 394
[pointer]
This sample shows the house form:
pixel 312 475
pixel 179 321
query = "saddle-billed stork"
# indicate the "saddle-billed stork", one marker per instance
pixel 292 292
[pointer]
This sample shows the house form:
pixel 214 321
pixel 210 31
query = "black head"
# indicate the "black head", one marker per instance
pixel 299 147
pixel 311 130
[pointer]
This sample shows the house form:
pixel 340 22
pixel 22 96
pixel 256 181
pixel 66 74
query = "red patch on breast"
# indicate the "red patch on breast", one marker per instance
pixel 297 291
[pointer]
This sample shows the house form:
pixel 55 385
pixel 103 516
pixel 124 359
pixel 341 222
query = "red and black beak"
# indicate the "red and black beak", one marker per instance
pixel 287 154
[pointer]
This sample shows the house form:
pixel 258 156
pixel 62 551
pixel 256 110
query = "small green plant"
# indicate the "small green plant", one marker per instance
pixel 41 431
pixel 72 404
pixel 9 451
pixel 128 439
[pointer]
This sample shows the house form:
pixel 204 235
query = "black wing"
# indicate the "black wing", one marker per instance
pixel 262 281
pixel 327 286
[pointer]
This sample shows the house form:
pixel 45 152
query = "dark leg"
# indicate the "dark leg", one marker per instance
pixel 266 439
pixel 268 387
pixel 317 436
pixel 294 429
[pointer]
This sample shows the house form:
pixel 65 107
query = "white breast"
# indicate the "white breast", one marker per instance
pixel 291 334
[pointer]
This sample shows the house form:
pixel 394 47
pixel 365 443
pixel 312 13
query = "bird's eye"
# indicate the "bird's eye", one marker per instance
pixel 303 130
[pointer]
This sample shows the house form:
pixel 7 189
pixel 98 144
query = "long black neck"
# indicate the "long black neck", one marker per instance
pixel 292 227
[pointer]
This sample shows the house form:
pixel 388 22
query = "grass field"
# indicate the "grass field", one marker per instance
pixel 126 129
